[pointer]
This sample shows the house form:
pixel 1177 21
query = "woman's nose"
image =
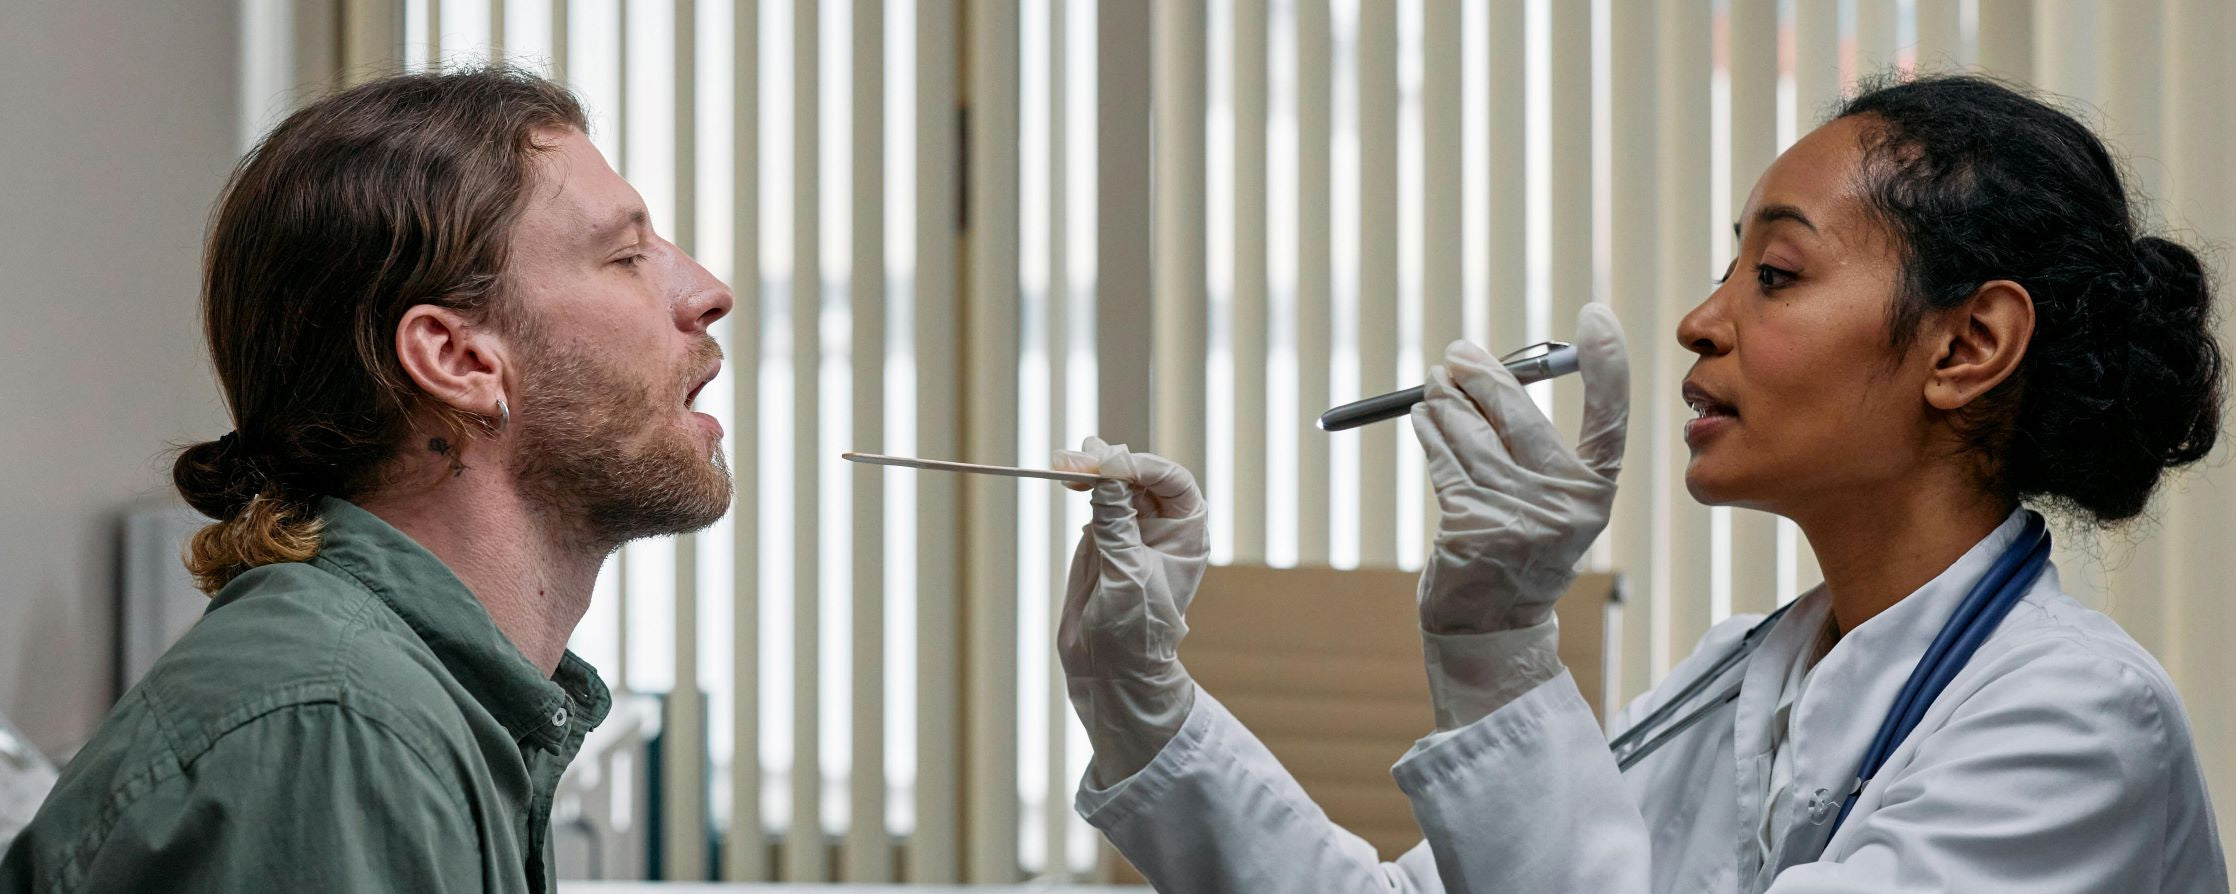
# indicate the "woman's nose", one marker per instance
pixel 1704 330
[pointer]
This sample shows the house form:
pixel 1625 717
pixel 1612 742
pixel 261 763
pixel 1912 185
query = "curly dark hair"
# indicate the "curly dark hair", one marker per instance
pixel 1979 181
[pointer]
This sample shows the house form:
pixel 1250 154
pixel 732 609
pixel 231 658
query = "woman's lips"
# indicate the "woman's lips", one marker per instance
pixel 1700 429
pixel 1712 416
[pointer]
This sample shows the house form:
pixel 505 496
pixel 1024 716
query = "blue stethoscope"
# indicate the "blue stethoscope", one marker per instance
pixel 2005 583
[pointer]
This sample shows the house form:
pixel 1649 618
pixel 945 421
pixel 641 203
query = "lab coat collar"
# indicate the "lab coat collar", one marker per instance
pixel 1855 684
pixel 1755 719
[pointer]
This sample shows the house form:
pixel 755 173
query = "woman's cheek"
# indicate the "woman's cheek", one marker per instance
pixel 1780 378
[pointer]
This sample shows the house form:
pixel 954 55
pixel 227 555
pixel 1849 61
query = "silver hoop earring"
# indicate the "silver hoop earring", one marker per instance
pixel 504 415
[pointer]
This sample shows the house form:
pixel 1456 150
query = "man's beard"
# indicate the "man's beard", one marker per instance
pixel 584 456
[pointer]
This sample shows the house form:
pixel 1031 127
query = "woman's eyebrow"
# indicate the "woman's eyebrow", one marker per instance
pixel 1779 212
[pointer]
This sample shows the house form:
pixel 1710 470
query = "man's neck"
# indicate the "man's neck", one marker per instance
pixel 1876 550
pixel 534 581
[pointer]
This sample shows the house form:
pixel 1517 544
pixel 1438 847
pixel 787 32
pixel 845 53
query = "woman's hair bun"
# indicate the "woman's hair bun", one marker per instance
pixel 2129 389
pixel 2173 275
pixel 2176 365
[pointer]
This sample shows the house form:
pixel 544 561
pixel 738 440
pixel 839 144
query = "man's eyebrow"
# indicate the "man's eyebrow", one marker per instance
pixel 634 219
pixel 1779 212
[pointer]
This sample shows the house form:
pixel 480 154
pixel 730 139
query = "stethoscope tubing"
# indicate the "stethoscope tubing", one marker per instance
pixel 1982 610
pixel 2006 582
pixel 1624 760
pixel 1627 747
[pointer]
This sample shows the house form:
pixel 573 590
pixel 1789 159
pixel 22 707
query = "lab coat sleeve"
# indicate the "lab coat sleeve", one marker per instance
pixel 1216 812
pixel 2052 778
pixel 1528 799
pixel 1524 798
pixel 1472 675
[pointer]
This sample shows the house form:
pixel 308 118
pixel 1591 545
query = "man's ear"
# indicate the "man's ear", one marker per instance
pixel 455 362
pixel 1980 345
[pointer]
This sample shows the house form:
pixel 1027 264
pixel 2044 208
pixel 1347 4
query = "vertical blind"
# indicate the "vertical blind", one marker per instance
pixel 987 228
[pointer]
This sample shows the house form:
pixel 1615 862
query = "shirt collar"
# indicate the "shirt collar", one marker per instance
pixel 1857 681
pixel 438 607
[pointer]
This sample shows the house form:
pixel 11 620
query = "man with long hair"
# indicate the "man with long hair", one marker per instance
pixel 461 367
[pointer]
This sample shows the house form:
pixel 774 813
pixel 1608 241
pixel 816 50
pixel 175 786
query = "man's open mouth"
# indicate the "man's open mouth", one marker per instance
pixel 691 397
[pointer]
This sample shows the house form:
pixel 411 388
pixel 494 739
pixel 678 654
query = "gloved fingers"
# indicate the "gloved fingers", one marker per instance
pixel 1098 457
pixel 1088 594
pixel 1107 588
pixel 1093 454
pixel 1444 468
pixel 1079 581
pixel 1467 352
pixel 1076 461
pixel 1115 524
pixel 1606 369
pixel 1448 476
pixel 1169 485
pixel 1461 449
pixel 1162 488
pixel 1529 437
pixel 1116 461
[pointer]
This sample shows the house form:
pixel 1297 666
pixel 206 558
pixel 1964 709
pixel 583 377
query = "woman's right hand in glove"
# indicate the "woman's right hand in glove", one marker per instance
pixel 1131 580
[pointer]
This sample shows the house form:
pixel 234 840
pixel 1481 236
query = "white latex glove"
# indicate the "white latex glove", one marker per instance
pixel 1519 507
pixel 1131 580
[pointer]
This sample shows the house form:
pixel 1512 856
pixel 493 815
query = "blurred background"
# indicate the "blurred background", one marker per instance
pixel 983 229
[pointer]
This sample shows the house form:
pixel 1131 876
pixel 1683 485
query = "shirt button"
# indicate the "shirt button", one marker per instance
pixel 1821 806
pixel 559 717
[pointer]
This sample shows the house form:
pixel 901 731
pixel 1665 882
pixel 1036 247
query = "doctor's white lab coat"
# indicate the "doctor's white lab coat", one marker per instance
pixel 2058 760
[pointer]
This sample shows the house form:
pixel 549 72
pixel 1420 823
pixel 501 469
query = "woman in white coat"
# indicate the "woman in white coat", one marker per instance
pixel 1941 311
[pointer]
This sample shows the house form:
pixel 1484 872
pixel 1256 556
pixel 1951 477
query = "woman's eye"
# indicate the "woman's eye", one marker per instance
pixel 1772 278
pixel 1728 268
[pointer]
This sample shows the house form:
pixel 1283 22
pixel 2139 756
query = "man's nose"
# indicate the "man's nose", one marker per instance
pixel 701 298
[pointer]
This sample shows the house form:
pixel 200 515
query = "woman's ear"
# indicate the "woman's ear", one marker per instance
pixel 1981 344
pixel 453 361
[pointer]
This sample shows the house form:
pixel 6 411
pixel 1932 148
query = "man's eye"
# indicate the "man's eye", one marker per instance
pixel 630 261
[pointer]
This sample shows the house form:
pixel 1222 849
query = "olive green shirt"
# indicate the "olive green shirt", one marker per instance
pixel 351 723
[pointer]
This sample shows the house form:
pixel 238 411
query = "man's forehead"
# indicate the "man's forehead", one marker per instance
pixel 575 193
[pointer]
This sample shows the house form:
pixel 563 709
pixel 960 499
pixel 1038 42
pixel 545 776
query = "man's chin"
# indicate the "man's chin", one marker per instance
pixel 686 497
pixel 618 525
pixel 716 506
pixel 702 505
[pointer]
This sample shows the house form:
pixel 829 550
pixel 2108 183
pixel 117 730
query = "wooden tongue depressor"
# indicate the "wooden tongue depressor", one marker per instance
pixel 941 465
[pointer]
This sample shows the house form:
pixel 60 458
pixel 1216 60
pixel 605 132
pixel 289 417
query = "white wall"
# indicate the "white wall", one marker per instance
pixel 118 124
